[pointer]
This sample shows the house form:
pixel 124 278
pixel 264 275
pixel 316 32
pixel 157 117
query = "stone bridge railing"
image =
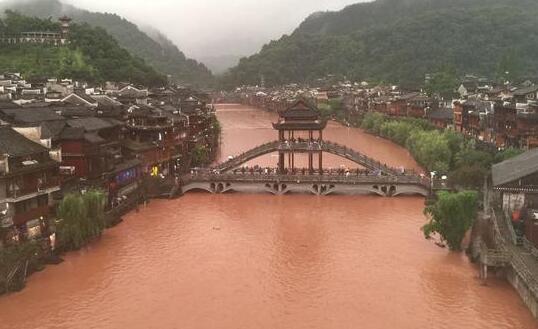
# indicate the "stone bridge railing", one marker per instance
pixel 329 147
pixel 208 176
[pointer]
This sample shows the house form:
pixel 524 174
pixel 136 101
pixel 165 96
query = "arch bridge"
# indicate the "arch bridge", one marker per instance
pixel 307 147
pixel 379 179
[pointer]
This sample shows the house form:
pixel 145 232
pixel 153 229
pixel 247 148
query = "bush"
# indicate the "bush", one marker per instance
pixel 12 260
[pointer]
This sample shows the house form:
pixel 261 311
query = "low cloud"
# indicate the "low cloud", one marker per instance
pixel 205 28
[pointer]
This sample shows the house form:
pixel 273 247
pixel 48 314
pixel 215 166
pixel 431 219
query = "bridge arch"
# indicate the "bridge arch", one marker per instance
pixel 347 190
pixel 411 190
pixel 327 147
pixel 203 187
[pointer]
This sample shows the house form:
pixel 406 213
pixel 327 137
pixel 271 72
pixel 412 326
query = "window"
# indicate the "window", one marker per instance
pixel 42 201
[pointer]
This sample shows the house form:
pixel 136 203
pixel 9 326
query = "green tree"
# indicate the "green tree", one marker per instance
pixel 372 122
pixel 507 154
pixel 509 67
pixel 72 214
pixel 200 156
pixel 443 82
pixel 451 216
pixel 468 176
pixel 81 219
pixel 469 156
pixel 94 202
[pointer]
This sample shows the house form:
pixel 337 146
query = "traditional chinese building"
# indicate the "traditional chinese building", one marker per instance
pixel 58 38
pixel 28 179
pixel 441 117
pixel 91 146
pixel 505 125
pixel 155 137
pixel 299 123
pixel 517 182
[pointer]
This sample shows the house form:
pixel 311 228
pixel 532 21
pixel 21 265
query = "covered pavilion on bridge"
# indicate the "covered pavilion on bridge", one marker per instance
pixel 301 122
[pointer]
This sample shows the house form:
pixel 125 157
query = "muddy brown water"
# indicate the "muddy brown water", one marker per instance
pixel 261 261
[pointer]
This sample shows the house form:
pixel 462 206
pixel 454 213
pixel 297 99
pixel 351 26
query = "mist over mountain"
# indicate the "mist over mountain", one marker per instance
pixel 157 51
pixel 220 63
pixel 400 41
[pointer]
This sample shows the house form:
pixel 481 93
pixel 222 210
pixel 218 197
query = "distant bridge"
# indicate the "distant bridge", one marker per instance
pixel 328 147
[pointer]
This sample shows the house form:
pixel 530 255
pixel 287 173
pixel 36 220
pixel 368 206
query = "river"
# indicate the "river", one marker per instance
pixel 261 261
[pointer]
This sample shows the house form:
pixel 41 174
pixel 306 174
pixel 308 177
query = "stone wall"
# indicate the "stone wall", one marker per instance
pixel 524 292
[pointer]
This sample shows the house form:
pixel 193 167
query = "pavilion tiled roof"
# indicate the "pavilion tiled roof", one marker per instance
pixel 300 110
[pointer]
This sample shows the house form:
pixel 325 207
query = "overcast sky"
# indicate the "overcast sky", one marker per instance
pixel 203 28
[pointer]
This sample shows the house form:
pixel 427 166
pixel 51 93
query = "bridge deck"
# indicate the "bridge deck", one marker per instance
pixel 351 179
pixel 383 185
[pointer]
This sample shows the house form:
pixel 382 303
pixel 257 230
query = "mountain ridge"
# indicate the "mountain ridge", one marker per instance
pixel 400 42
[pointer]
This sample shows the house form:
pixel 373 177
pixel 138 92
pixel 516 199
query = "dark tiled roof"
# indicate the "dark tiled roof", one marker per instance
pixel 300 110
pixel 30 115
pixel 93 138
pixel 136 146
pixel 409 96
pixel 91 123
pixel 526 90
pixel 441 114
pixel 105 101
pixel 70 133
pixel 516 168
pixel 79 98
pixel 75 111
pixel 7 105
pixel 52 129
pixel 15 144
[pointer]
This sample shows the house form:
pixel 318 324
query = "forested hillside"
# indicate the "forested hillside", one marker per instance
pixel 400 41
pixel 163 56
pixel 93 55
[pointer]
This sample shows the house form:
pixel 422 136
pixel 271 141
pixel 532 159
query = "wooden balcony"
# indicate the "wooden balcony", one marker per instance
pixel 36 213
pixel 27 190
